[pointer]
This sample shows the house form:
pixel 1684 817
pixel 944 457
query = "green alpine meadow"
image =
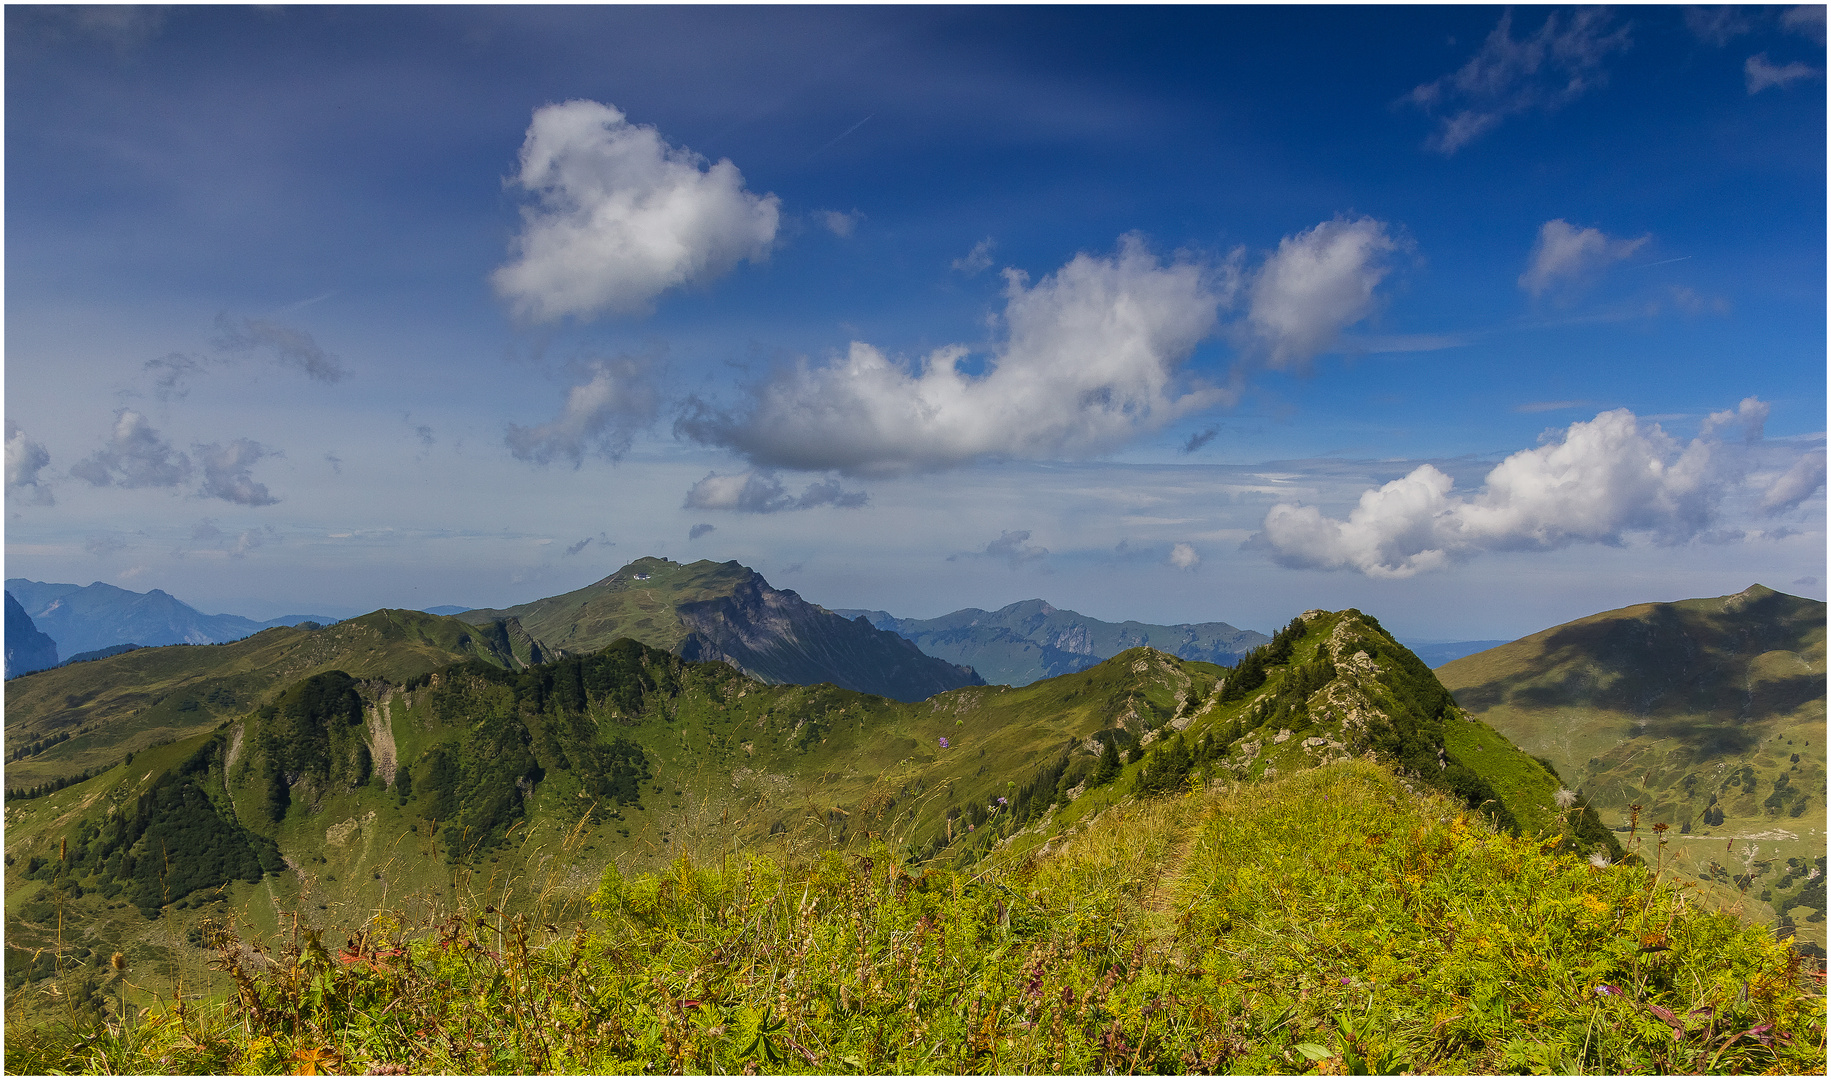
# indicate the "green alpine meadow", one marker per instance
pixel 915 539
pixel 624 862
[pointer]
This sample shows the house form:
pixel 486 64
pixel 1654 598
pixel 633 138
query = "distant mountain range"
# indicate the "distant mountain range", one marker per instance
pixel 728 612
pixel 85 618
pixel 388 751
pixel 1030 640
pixel 1438 653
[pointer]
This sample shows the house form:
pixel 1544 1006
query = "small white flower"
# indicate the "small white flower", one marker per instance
pixel 1565 798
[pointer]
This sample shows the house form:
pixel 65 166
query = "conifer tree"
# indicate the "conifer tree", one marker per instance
pixel 1109 763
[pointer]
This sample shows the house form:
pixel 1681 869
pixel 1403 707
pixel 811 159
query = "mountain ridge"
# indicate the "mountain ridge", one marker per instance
pixel 85 618
pixel 1706 714
pixel 729 612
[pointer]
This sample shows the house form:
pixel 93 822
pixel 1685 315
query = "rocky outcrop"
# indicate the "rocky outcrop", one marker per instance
pixel 776 636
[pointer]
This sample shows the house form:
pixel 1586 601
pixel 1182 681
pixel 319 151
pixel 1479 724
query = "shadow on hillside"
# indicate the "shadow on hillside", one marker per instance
pixel 1702 740
pixel 1668 664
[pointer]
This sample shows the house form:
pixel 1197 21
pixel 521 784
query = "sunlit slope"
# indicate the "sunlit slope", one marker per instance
pixel 1332 921
pixel 637 602
pixel 1709 714
pixel 516 787
pixel 727 612
pixel 106 708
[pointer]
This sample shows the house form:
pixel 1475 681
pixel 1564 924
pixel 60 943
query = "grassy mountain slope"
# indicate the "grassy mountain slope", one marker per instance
pixel 726 611
pixel 1030 640
pixel 87 716
pixel 477 784
pixel 1709 714
pixel 1330 921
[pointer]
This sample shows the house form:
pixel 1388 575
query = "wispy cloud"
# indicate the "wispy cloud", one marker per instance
pixel 1200 439
pixel 601 540
pixel 620 216
pixel 226 476
pixel 1564 255
pixel 287 346
pixel 172 371
pixel 1014 548
pixel 1796 485
pixel 601 416
pixel 760 491
pixel 102 545
pixel 1718 25
pixel 25 459
pixel 1806 20
pixel 136 456
pixel 840 224
pixel 1762 75
pixel 977 260
pixel 1549 406
pixel 1542 72
pixel 207 537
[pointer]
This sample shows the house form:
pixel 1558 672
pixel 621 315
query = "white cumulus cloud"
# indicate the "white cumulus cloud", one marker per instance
pixel 1317 284
pixel 601 415
pixel 760 491
pixel 1601 480
pixel 1184 557
pixel 619 216
pixel 1090 360
pixel 1565 254
pixel 24 460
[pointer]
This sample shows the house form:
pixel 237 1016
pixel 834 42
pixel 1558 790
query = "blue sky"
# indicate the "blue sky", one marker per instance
pixel 1477 319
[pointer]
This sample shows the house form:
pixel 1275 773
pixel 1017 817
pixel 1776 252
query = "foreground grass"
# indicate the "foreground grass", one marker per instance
pixel 1329 922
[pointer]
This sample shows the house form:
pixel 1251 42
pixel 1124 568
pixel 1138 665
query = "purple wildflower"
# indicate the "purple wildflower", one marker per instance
pixel 1605 989
pixel 1001 800
pixel 944 742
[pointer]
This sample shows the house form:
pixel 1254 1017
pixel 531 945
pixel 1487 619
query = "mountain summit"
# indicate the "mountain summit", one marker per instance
pixel 727 611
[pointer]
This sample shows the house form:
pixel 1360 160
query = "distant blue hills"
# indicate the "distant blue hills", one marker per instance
pixel 89 618
pixel 1031 639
